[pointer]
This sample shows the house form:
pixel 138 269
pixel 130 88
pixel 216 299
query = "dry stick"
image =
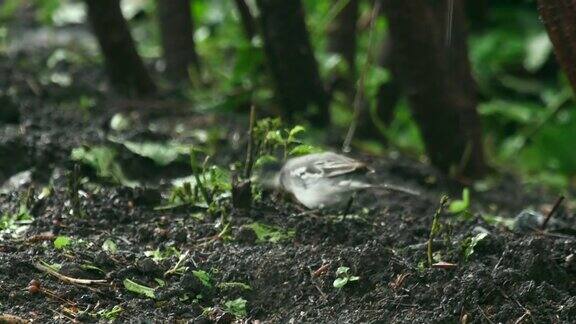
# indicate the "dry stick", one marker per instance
pixel 359 97
pixel 67 279
pixel 249 151
pixel 449 22
pixel 552 212
pixel 484 314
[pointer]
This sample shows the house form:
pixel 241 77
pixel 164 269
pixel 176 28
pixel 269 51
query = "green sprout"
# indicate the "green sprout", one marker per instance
pixel 236 307
pixel 343 277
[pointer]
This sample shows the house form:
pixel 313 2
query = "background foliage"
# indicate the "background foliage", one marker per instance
pixel 527 112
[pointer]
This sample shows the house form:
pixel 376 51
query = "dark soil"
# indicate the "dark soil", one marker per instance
pixel 510 277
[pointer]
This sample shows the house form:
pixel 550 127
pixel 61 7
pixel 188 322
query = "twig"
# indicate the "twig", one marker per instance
pixel 527 312
pixel 449 22
pixel 552 212
pixel 554 108
pixel 484 314
pixel 521 318
pixel 177 265
pixel 67 279
pixel 249 151
pixel 359 97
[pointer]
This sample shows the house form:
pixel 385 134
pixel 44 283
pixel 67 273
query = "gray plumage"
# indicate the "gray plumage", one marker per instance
pixel 325 180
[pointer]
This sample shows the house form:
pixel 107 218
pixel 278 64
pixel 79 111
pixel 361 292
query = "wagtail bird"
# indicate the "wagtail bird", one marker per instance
pixel 323 180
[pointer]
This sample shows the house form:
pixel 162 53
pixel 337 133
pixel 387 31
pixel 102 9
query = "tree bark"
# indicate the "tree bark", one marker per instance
pixel 342 38
pixel 559 17
pixel 291 60
pixel 389 92
pixel 125 68
pixel 437 81
pixel 248 22
pixel 176 31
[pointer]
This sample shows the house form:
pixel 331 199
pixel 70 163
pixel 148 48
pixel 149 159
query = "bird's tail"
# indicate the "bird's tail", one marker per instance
pixel 390 187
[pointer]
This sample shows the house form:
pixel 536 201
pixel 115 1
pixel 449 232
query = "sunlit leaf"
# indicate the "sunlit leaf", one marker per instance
pixel 139 289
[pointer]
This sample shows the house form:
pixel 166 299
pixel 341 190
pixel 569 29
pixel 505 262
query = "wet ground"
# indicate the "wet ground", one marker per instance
pixel 84 244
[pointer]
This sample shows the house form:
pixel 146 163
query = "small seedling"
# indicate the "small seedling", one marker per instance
pixel 111 314
pixel 236 307
pixel 103 160
pixel 343 277
pixel 435 228
pixel 62 242
pixel 159 255
pixel 271 136
pixel 204 277
pixel 267 233
pixel 109 246
pixel 16 223
pixel 461 207
pixel 470 243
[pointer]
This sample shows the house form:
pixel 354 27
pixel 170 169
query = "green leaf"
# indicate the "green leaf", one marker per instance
pixel 303 149
pixel 274 137
pixel 266 233
pixel 472 244
pixel 112 313
pixel 109 246
pixel 342 271
pixel 139 289
pixel 204 277
pixel 236 307
pixel 161 153
pixel 92 267
pixel 459 206
pixel 499 221
pixel 62 242
pixel 234 286
pixel 538 50
pixel 265 159
pixel 159 255
pixel 102 159
pixel 294 132
pixel 340 282
pixel 119 122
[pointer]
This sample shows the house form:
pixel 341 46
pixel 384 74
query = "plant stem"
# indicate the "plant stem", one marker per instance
pixel 199 183
pixel 434 227
pixel 249 151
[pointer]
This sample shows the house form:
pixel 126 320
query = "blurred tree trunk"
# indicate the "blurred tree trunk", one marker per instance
pixel 389 92
pixel 438 82
pixel 125 68
pixel 291 60
pixel 342 40
pixel 559 17
pixel 176 31
pixel 248 22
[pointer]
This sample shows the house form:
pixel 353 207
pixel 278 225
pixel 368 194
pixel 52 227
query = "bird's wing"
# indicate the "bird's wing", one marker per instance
pixel 306 171
pixel 333 165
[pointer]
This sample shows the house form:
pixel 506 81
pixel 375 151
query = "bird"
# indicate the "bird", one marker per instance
pixel 323 180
